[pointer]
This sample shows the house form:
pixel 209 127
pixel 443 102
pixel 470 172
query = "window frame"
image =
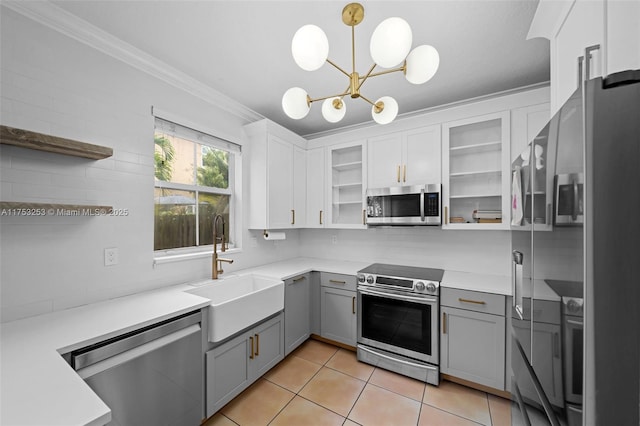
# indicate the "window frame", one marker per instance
pixel 233 190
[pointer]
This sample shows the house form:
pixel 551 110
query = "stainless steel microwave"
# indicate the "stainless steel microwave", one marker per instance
pixel 569 199
pixel 405 205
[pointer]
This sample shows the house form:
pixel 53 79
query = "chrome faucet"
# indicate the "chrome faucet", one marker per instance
pixel 216 268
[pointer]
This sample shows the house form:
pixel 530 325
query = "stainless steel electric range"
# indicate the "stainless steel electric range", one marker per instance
pixel 398 313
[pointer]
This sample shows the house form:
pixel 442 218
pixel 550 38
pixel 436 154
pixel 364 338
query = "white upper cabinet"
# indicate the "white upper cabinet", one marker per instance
pixel 475 172
pixel 405 158
pixel 316 183
pixel 575 25
pixel 277 170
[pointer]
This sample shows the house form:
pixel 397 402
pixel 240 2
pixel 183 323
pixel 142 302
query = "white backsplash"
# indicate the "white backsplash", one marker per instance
pixel 470 251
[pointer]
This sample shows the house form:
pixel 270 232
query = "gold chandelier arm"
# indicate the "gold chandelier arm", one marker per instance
pixel 403 68
pixel 367 75
pixel 367 100
pixel 328 97
pixel 339 69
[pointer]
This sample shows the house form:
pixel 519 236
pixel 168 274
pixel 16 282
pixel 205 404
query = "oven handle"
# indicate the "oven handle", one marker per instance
pixel 401 361
pixel 423 300
pixel 421 203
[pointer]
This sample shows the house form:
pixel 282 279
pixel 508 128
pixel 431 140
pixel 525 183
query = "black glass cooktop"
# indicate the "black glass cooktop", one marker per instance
pixel 411 272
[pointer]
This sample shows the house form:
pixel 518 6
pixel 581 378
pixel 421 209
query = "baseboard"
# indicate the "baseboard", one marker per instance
pixel 477 386
pixel 332 342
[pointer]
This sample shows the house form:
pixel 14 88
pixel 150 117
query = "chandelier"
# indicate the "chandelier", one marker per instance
pixel 390 48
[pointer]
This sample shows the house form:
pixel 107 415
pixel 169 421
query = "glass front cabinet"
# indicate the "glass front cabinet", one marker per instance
pixel 475 172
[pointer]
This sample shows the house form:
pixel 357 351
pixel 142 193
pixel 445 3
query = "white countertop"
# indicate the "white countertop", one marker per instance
pixel 39 387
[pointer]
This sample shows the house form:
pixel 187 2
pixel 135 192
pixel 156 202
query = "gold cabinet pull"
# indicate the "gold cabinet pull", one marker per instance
pixel 337 282
pixel 404 173
pixel 398 173
pixel 364 217
pixel 257 345
pixel 446 215
pixel 444 323
pixel 353 305
pixel 300 278
pixel 293 217
pixel 320 217
pixel 477 302
pixel 251 339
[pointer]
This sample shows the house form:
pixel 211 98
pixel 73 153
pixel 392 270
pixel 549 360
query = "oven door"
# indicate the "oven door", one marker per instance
pixel 573 342
pixel 399 322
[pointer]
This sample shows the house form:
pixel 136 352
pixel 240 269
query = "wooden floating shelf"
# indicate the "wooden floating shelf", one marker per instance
pixel 65 209
pixel 48 143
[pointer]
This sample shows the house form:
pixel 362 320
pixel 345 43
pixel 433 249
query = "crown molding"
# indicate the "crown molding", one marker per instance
pixel 60 20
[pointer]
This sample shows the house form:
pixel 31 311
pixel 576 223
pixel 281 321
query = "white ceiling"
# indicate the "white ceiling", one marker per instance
pixel 243 49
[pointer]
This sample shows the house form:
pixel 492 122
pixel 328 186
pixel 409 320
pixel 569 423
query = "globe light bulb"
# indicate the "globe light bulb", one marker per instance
pixel 295 103
pixel 422 64
pixel 391 42
pixel 310 47
pixel 385 110
pixel 333 109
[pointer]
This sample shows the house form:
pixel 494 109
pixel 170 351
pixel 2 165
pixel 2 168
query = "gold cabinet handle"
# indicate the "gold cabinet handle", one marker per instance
pixel 320 217
pixel 337 282
pixel 257 345
pixel 398 173
pixel 300 278
pixel 446 215
pixel 251 339
pixel 444 323
pixel 293 217
pixel 353 305
pixel 404 173
pixel 364 217
pixel 477 302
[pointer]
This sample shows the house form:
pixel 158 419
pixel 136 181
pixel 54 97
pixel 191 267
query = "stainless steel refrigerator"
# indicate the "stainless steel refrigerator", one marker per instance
pixel 575 227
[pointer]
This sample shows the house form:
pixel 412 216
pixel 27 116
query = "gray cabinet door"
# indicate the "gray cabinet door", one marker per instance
pixel 227 372
pixel 338 315
pixel 268 345
pixel 473 346
pixel 297 325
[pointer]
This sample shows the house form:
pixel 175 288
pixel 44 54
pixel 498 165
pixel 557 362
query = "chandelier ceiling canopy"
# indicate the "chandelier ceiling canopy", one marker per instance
pixel 390 48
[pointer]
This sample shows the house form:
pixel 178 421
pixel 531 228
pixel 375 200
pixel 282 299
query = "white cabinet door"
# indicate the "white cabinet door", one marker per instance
pixel 280 172
pixel 421 156
pixel 384 161
pixel 299 192
pixel 338 315
pixel 473 346
pixel 411 157
pixel 297 325
pixel 316 215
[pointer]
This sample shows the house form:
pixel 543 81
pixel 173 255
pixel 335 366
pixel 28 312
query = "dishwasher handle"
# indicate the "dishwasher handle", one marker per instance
pixel 92 354
pixel 136 352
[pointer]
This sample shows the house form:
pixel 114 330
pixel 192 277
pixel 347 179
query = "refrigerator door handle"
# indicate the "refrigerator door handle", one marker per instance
pixel 516 283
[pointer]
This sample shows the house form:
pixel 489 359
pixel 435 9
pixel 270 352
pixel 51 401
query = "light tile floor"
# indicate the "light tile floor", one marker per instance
pixel 320 384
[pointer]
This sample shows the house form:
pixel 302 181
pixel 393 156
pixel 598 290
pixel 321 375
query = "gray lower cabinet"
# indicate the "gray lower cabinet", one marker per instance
pixel 338 319
pixel 237 363
pixel 297 315
pixel 472 337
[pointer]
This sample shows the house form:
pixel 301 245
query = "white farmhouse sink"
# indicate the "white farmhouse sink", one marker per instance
pixel 240 301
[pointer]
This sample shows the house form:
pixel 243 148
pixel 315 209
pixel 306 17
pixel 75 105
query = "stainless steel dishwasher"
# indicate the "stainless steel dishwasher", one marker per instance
pixel 151 376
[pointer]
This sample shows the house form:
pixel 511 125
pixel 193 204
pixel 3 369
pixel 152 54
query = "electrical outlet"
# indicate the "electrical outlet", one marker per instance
pixel 334 239
pixel 253 242
pixel 110 256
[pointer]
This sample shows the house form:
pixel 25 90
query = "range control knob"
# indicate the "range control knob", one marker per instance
pixel 420 286
pixel 361 278
pixel 431 287
pixel 370 279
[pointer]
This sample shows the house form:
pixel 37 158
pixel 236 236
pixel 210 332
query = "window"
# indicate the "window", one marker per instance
pixel 194 181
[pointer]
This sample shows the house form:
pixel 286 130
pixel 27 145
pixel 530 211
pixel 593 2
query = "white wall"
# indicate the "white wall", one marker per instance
pixel 55 85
